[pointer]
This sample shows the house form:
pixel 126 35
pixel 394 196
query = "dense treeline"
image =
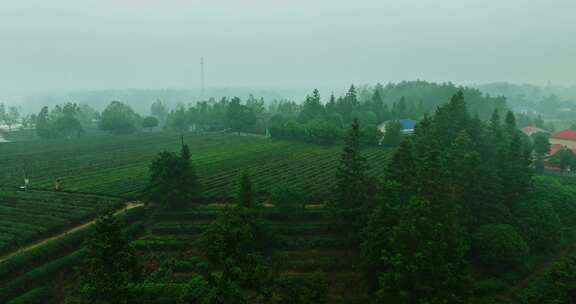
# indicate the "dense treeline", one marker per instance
pixel 64 121
pixel 452 189
pixel 326 122
pixel 315 120
pixel 458 203
pixel 9 115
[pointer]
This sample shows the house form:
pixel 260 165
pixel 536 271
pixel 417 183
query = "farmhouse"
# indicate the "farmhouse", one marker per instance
pixel 565 138
pixel 407 125
pixel 530 130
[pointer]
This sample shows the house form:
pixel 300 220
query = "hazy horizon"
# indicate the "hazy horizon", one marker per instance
pixel 67 45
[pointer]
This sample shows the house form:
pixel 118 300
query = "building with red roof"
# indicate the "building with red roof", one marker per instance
pixel 554 148
pixel 529 130
pixel 565 138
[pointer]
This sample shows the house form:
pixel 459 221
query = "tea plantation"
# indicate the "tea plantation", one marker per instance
pixel 26 216
pixel 118 165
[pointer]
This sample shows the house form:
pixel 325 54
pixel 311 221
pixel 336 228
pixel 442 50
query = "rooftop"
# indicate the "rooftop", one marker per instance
pixel 565 134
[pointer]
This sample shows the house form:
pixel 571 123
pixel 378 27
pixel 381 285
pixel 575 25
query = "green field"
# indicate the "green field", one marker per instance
pixel 26 216
pixel 118 165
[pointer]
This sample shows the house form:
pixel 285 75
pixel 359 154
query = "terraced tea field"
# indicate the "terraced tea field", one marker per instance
pixel 304 244
pixel 40 275
pixel 26 216
pixel 118 165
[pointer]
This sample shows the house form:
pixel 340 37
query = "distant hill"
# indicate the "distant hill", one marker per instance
pixel 523 94
pixel 141 99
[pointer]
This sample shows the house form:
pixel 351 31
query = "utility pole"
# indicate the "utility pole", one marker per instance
pixel 202 80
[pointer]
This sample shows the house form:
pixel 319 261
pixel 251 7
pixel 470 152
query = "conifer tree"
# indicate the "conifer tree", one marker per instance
pixel 185 152
pixel 393 134
pixel 424 259
pixel 312 108
pixel 376 234
pixel 510 124
pixel 378 105
pixel 541 148
pixel 173 180
pixel 352 171
pixel 515 172
pixel 234 246
pixel 110 264
pixel 245 191
pixel 352 180
pixel 495 133
pixel 450 119
pixel 402 169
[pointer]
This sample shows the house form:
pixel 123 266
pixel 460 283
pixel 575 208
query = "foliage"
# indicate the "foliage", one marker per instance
pixel 312 108
pixel 288 199
pixel 561 281
pixel 424 260
pixel 541 144
pixel 541 148
pixel 393 134
pixel 245 191
pixel 9 116
pixel 239 117
pixel 307 290
pixel 351 192
pixel 64 121
pixel 539 224
pixel 119 118
pixel 373 106
pixel 110 263
pixel 567 159
pixel 234 244
pixel 376 234
pixel 499 246
pixel 456 175
pixel 173 181
pixel 159 110
pixel 150 122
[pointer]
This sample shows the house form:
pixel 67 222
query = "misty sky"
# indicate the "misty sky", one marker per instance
pixel 92 44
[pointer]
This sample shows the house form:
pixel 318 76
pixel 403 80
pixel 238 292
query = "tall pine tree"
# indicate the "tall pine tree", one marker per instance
pixel 110 264
pixel 245 191
pixel 351 186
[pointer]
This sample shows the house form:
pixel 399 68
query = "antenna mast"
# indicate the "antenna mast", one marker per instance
pixel 202 79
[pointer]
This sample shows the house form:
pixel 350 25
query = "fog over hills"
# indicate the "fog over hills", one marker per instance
pixel 101 45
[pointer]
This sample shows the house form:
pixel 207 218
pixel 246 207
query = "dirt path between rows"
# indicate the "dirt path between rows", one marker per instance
pixel 130 205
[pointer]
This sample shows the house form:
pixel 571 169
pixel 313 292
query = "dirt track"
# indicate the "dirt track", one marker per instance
pixel 129 205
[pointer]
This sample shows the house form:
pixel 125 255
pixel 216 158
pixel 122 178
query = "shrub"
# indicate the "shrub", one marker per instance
pixel 288 199
pixel 560 198
pixel 539 224
pixel 499 245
